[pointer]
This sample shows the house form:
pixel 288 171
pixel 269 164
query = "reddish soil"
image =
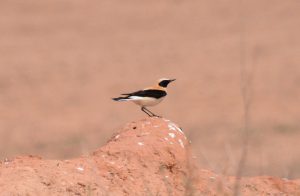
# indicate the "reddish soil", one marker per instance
pixel 147 157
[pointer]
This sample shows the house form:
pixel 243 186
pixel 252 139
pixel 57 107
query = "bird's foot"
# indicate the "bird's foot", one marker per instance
pixel 154 115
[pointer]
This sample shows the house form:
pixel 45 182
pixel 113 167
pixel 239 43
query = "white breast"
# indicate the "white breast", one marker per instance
pixel 146 101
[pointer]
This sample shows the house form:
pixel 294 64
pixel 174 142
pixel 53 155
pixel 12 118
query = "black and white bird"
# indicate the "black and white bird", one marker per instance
pixel 150 96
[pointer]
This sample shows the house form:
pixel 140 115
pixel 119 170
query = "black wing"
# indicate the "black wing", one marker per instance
pixel 148 93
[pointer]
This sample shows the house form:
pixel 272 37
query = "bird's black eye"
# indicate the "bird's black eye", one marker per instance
pixel 164 83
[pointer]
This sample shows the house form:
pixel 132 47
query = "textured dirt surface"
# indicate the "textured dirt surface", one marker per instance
pixel 148 157
pixel 62 60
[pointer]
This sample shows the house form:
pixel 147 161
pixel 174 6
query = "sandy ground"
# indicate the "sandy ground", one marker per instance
pixel 62 61
pixel 147 157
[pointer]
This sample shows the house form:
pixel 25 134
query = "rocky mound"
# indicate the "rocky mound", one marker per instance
pixel 147 157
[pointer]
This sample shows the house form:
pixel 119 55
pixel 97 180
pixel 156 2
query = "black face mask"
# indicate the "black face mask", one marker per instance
pixel 164 83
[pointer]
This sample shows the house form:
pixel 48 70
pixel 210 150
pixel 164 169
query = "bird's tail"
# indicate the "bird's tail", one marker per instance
pixel 121 99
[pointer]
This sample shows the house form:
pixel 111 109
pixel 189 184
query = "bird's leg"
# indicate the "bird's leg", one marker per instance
pixel 152 113
pixel 146 111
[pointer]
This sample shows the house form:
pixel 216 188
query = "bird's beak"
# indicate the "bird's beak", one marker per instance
pixel 172 80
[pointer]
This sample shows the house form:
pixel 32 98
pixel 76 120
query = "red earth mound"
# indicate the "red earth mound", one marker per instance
pixel 146 157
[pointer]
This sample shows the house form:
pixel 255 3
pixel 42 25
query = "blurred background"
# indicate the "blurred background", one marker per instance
pixel 61 62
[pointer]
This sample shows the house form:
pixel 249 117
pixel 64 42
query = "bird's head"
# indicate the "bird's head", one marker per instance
pixel 164 82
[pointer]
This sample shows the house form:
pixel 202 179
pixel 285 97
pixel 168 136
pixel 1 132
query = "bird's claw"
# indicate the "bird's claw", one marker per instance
pixel 156 116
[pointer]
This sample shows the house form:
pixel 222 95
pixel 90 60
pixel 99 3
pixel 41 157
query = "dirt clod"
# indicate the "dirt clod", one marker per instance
pixel 132 165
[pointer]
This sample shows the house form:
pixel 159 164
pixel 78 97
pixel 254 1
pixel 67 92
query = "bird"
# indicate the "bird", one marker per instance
pixel 147 97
